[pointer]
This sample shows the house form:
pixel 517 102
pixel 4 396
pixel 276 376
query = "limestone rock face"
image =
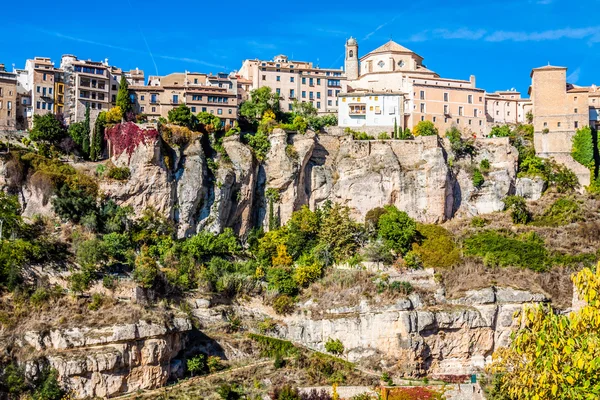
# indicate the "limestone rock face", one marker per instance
pixel 499 181
pixel 454 338
pixel 530 188
pixel 104 362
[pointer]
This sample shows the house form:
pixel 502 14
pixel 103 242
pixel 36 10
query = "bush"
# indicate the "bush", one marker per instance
pixel 460 147
pixel 284 305
pixel 230 392
pixel 401 287
pixel 334 346
pixel 214 364
pixel 397 229
pixel 583 147
pixel 519 212
pixel 563 211
pixel 484 165
pixel 479 222
pixel 477 179
pixel 501 131
pixel 286 392
pixel 114 115
pixel 383 136
pixel 497 249
pixel 437 248
pixel 196 364
pixel 425 128
pixel 260 145
pixel 96 303
pixel 119 173
pixel 385 377
pixel 306 274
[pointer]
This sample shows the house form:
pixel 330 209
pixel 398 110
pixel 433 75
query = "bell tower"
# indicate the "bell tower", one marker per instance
pixel 351 62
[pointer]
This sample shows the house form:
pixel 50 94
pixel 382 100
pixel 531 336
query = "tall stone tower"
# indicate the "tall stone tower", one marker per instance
pixel 351 63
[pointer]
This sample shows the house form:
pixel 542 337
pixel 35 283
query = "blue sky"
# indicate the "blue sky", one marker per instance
pixel 498 41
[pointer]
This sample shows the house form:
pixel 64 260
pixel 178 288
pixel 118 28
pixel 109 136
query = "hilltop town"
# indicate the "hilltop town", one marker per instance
pixel 293 232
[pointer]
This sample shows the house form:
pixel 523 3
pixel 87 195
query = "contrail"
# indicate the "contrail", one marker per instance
pixel 379 27
pixel 145 41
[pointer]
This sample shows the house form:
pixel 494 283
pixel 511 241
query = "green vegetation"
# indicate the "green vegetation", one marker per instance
pixel 47 128
pixel 356 135
pixel 460 147
pixel 261 100
pixel 518 209
pixel 563 211
pixel 397 229
pixel 119 173
pixel 123 98
pixel 425 128
pixel 334 346
pixel 436 247
pixel 478 179
pixel 14 382
pixel 583 147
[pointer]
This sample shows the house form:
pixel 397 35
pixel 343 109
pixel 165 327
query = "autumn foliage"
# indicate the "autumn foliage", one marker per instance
pixel 127 137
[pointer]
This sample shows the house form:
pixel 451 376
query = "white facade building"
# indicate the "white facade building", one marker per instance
pixel 370 109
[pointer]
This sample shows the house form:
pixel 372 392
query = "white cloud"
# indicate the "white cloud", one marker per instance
pixel 555 34
pixel 368 35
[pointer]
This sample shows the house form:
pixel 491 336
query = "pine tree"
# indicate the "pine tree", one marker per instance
pixel 97 145
pixel 123 99
pixel 395 129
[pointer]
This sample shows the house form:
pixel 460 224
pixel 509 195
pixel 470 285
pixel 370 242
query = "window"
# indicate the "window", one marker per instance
pixel 230 111
pixel 278 78
pixel 422 107
pixel 303 81
pixel 292 93
pixel 289 107
pixel 434 119
pixel 575 111
pixel 220 111
pixel 278 91
pixel 43 106
pixel 446 96
pixel 291 79
pixel 545 124
pixel 196 97
pixel 508 113
pixel 195 80
pixel 558 124
pixel 153 98
pixel 153 109
pixel 422 94
pixel 38 105
pixel 175 99
pixel 575 98
pixel 310 82
pixel 470 99
pixel 457 121
pixel 330 92
pixel 497 112
pixel 141 109
pixel 193 109
pixel 318 104
pixel 469 122
pixel 303 94
pixel 114 87
pixel 9 105
pixel 576 124
pixel 329 102
pixel 318 95
pixel 203 109
pixel 422 118
pixel 318 81
pixel 480 100
pixel 446 109
pixel 460 111
pixel 264 77
pixel 142 97
pixel 351 53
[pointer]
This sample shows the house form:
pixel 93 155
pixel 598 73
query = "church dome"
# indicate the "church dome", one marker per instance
pixel 351 41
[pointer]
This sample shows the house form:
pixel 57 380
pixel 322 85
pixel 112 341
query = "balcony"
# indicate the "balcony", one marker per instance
pixel 357 109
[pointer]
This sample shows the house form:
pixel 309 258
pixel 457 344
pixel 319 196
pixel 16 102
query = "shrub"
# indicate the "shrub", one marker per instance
pixel 479 222
pixel 48 387
pixel 385 377
pixel 519 212
pixel 437 248
pixel 401 287
pixel 412 260
pixel 214 364
pixel 96 303
pixel 383 136
pixel 286 392
pixel 306 274
pixel 267 325
pixel 583 147
pixel 501 131
pixel 484 165
pixel 425 128
pixel 477 179
pixel 196 364
pixel 114 115
pixel 284 304
pixel 109 282
pixel 497 249
pixel 397 229
pixel 460 147
pixel 260 145
pixel 47 128
pixel 271 347
pixel 119 173
pixel 291 152
pixel 230 392
pixel 334 346
pixel 563 211
pixel 146 270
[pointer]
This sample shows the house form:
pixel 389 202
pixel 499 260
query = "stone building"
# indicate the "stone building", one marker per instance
pixel 507 107
pixel 215 94
pixel 8 100
pixel 296 80
pixel 425 96
pixel 87 83
pixel 559 109
pixel 42 80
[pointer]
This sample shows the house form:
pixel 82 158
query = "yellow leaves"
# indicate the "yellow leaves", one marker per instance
pixel 282 259
pixel 554 389
pixel 570 380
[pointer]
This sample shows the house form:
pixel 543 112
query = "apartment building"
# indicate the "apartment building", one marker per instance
pixel 42 81
pixel 8 100
pixel 215 94
pixel 506 107
pixel 86 83
pixel 296 80
pixel 24 105
pixel 425 96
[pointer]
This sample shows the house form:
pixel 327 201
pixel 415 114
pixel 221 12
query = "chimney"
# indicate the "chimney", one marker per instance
pixel 2 67
pixel 472 80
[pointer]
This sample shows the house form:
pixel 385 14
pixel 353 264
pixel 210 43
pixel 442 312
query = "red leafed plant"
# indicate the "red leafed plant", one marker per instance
pixel 414 393
pixel 127 137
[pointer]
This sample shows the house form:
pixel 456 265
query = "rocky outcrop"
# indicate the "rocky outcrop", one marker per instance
pixel 451 337
pixel 308 170
pixel 530 188
pixel 499 181
pixel 108 361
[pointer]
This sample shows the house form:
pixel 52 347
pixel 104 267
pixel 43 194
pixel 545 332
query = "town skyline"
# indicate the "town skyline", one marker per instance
pixel 482 44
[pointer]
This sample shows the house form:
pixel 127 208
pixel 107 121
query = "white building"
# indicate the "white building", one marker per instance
pixel 370 109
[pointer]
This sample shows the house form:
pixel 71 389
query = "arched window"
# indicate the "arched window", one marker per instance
pixel 351 54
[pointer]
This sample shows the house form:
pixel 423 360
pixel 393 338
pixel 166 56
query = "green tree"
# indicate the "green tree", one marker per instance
pixel 260 145
pixel 478 179
pixel 146 270
pixel 183 116
pixel 518 209
pixel 338 233
pixel 230 392
pixel 554 355
pixel 583 147
pixel 501 131
pixel 334 346
pixel 48 387
pixel 261 100
pixel 397 229
pixel 425 128
pixel 47 128
pixel 303 109
pixel 97 145
pixel 123 98
pixel 210 121
pixel 460 147
pixel 196 364
pixel 85 144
